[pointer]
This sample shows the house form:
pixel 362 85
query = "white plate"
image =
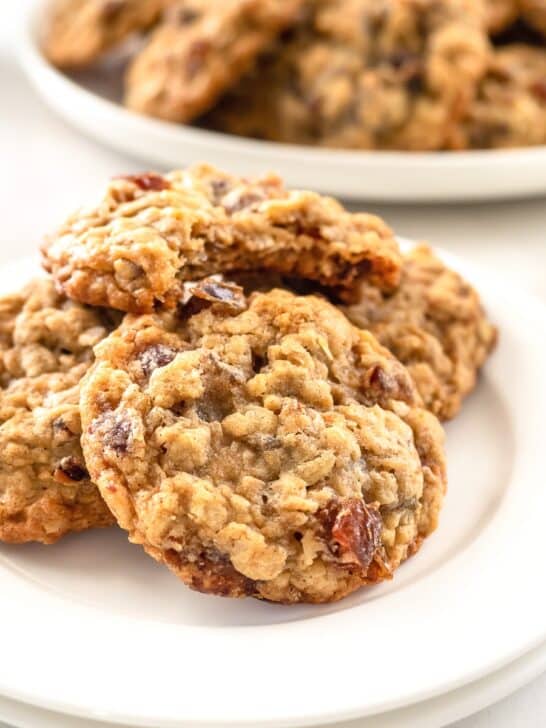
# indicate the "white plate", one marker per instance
pixel 435 713
pixel 90 101
pixel 92 627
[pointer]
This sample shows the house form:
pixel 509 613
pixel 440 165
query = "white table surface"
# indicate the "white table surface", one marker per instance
pixel 47 169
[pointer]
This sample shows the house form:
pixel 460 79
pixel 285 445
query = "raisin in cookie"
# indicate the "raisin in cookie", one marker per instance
pixel 202 48
pixel 510 108
pixel 435 325
pixel 262 447
pixel 79 31
pixel 149 233
pixel 534 13
pixel 387 74
pixel 45 349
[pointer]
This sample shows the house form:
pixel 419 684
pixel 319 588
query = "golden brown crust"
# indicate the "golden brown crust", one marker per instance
pixel 435 324
pixel 150 233
pixel 202 48
pixel 263 448
pixel 78 32
pixel 45 349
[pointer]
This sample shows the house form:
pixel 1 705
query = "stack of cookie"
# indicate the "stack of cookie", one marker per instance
pixel 190 371
pixel 364 74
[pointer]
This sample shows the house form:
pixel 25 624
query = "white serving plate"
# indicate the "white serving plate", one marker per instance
pixel 90 101
pixel 435 713
pixel 92 627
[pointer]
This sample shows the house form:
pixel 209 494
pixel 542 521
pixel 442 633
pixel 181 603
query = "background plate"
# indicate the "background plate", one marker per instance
pixel 90 101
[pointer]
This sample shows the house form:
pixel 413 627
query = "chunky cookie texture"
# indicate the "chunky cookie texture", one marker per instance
pixel 149 233
pixel 262 447
pixel 45 349
pixel 79 31
pixel 393 74
pixel 510 108
pixel 202 48
pixel 435 325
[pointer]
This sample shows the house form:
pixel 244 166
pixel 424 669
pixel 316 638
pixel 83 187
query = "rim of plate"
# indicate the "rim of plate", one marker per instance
pixel 435 713
pixel 408 176
pixel 478 612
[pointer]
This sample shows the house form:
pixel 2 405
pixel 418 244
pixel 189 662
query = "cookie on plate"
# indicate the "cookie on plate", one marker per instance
pixel 435 325
pixel 510 108
pixel 393 74
pixel 202 48
pixel 534 13
pixel 262 447
pixel 149 233
pixel 78 32
pixel 45 349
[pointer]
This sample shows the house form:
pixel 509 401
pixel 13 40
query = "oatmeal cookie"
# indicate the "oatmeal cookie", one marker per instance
pixel 202 48
pixel 500 14
pixel 262 447
pixel 534 13
pixel 150 233
pixel 369 74
pixel 510 108
pixel 435 325
pixel 45 349
pixel 79 31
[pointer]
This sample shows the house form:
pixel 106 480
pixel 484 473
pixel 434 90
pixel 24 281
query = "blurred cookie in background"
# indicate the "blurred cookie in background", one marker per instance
pixel 202 48
pixel 510 108
pixel 363 74
pixel 77 32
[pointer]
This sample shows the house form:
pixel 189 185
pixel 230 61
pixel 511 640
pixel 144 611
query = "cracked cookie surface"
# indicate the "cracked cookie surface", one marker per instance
pixel 435 325
pixel 262 447
pixel 510 107
pixel 393 74
pixel 80 31
pixel 202 48
pixel 45 349
pixel 149 233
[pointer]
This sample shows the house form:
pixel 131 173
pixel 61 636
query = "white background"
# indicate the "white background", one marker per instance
pixel 47 169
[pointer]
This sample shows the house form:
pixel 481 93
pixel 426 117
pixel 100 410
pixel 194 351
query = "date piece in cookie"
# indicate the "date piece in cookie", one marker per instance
pixel 510 108
pixel 203 48
pixel 435 325
pixel 262 447
pixel 387 74
pixel 79 31
pixel 150 233
pixel 45 349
